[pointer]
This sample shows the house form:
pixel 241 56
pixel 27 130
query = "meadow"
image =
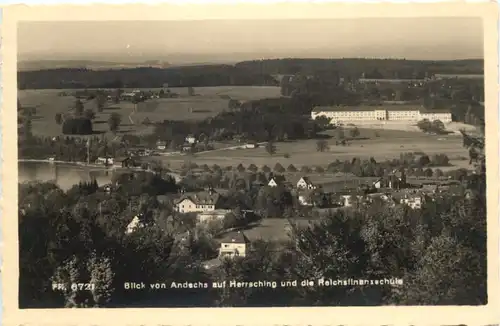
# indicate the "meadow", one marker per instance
pixel 207 102
pixel 379 144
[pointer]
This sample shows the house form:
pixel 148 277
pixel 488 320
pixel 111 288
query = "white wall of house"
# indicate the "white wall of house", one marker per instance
pixel 133 225
pixel 272 183
pixel 232 249
pixel 302 184
pixel 206 217
pixel 304 200
pixel 188 206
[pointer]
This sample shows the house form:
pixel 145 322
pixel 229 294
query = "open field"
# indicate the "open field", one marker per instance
pixel 454 127
pixel 206 103
pixel 273 229
pixel 389 145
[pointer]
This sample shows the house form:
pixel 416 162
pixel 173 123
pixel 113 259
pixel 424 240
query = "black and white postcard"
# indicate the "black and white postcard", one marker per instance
pixel 311 163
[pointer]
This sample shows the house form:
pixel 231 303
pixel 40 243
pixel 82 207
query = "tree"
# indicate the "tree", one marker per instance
pixel 305 169
pixel 425 125
pixel 240 168
pixel 78 107
pixel 265 169
pixel 424 160
pixel 321 145
pixel 89 114
pixel 354 132
pixel 464 285
pixel 323 122
pixel 340 134
pixel 279 168
pixel 437 126
pixel 77 126
pixel 116 96
pixel 101 276
pixel 58 118
pixel 114 122
pixel 428 173
pixel 233 104
pixel 253 168
pixel 319 169
pixel 291 168
pixel 270 148
pixel 438 173
pixel 100 102
pixel 336 242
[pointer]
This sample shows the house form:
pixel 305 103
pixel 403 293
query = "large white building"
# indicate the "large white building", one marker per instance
pixel 354 114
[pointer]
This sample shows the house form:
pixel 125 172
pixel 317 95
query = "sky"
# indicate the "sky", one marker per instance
pixel 437 38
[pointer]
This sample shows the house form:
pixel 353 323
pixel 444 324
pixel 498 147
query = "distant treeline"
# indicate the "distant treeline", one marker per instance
pixel 247 73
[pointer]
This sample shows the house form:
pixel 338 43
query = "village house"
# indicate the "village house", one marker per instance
pixel 187 148
pixel 104 160
pixel 413 200
pixel 107 187
pixel 205 201
pixel 137 222
pixel 125 162
pixel 134 225
pixel 349 197
pixel 190 139
pixel 161 145
pixel 234 245
pixel 305 183
pixel 395 180
pixel 276 180
pixel 305 198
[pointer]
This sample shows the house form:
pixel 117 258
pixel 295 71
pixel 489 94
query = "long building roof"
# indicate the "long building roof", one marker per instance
pixel 416 107
pixel 368 108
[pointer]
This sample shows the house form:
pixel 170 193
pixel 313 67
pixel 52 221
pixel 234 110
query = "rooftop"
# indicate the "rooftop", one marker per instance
pixel 201 198
pixel 236 237
pixel 391 107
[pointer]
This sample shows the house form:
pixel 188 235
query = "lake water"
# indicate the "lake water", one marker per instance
pixel 65 175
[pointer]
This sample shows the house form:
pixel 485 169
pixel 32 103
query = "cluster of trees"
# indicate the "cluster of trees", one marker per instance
pixel 79 236
pixel 372 68
pixel 257 72
pixel 208 75
pixel 278 119
pixel 368 168
pixel 80 123
pixel 436 126
pixel 77 126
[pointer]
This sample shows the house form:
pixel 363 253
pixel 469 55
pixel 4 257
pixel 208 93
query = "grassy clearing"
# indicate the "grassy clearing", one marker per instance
pixel 389 145
pixel 272 229
pixel 208 101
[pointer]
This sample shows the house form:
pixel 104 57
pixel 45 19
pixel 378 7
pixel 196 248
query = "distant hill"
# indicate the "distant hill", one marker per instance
pixel 146 74
pixel 31 65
